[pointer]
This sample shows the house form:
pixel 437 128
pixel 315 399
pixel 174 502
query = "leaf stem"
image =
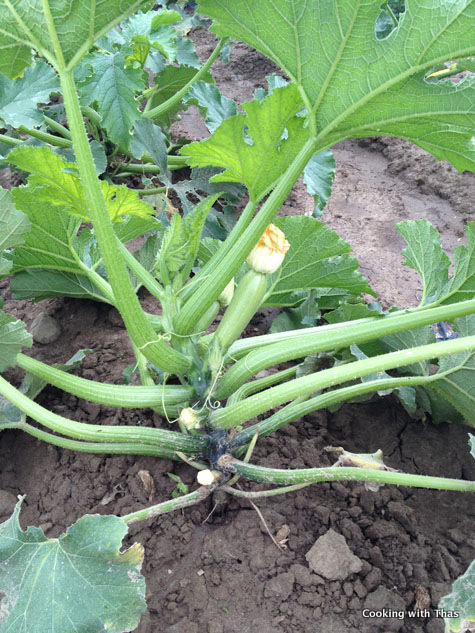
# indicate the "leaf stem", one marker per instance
pixel 328 338
pixel 212 286
pixel 57 141
pixel 57 127
pixel 96 432
pixel 159 110
pixel 9 140
pixel 138 327
pixel 254 405
pixel 101 448
pixel 169 506
pixel 336 473
pixel 104 393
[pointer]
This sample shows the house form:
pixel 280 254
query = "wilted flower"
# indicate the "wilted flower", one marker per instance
pixel 269 252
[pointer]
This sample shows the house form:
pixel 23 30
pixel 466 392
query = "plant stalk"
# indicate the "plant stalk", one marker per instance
pixel 138 327
pixel 96 432
pixel 250 407
pixel 169 506
pixel 159 110
pixel 337 473
pixel 212 286
pixel 329 338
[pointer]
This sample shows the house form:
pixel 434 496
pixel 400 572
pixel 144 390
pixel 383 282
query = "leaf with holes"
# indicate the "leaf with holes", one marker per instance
pixel 356 85
pixel 255 148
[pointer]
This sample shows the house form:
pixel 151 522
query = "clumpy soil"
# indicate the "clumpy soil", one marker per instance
pixel 213 568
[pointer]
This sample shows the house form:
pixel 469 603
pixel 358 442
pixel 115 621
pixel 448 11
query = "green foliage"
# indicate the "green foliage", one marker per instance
pixel 19 99
pixel 317 259
pixel 212 104
pixel 56 182
pixel 268 134
pixel 14 225
pixel 13 337
pixel 78 25
pixel 361 86
pixel 318 177
pixel 94 585
pixel 180 244
pixel 425 255
pixel 113 87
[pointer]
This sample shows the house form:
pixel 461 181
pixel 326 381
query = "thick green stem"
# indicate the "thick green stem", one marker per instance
pixel 138 327
pixel 232 238
pixel 255 405
pixel 96 432
pixel 212 286
pixel 147 279
pixel 57 127
pixel 260 384
pixel 327 338
pixel 57 141
pixel 97 448
pixel 169 506
pixel 103 393
pixel 299 408
pixel 311 475
pixel 9 140
pixel 158 111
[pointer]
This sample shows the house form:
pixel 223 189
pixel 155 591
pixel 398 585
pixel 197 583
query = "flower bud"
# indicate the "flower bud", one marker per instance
pixel 206 477
pixel 227 294
pixel 269 252
pixel 189 418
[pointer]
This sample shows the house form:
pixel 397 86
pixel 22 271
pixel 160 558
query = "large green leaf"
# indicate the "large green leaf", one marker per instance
pixel 425 255
pixel 357 85
pixel 317 258
pixel 78 25
pixel 57 183
pixel 255 148
pixel 211 103
pixel 461 601
pixel 77 582
pixel 113 87
pixel 19 98
pixel 14 225
pixel 13 336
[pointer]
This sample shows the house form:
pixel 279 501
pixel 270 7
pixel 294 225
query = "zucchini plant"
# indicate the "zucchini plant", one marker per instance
pixel 65 233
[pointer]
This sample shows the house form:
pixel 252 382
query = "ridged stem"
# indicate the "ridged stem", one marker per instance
pixel 311 475
pixel 96 432
pixel 138 327
pixel 250 407
pixel 103 393
pixel 326 338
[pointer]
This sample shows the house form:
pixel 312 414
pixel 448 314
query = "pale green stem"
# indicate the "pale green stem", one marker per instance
pixel 147 279
pixel 208 269
pixel 259 494
pixel 101 448
pixel 96 432
pixel 336 473
pixel 159 110
pixel 250 407
pixel 57 127
pixel 327 338
pixel 213 285
pixel 300 407
pixel 138 327
pixel 104 393
pixel 57 141
pixel 169 506
pixel 9 140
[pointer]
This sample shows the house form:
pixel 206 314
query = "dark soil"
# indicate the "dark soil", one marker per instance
pixel 213 568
